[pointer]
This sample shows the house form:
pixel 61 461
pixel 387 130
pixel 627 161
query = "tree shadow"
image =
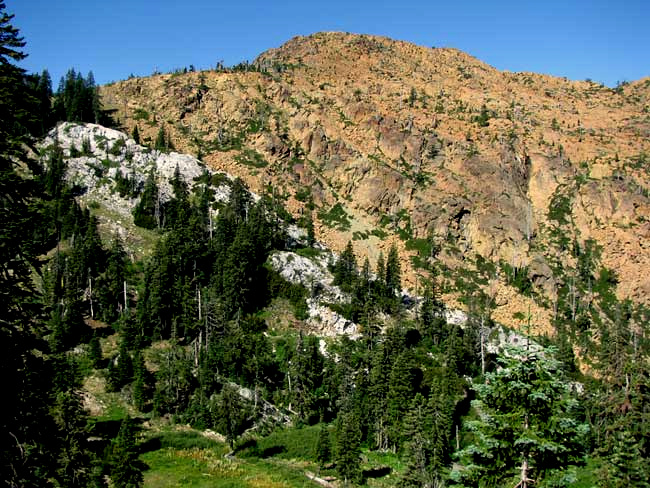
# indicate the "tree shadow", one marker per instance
pixel 378 472
pixel 272 451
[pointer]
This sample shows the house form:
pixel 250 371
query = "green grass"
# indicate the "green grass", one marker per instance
pixel 169 467
pixel 292 443
pixel 377 459
pixel 187 458
pixel 308 252
pixel 184 439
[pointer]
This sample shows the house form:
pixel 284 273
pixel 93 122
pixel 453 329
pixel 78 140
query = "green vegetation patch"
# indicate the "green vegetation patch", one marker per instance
pixel 290 443
pixel 140 114
pixel 250 157
pixel 335 218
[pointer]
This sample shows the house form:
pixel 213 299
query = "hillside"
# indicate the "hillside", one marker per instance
pixel 429 149
pixel 177 320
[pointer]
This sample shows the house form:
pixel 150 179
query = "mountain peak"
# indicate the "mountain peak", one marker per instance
pixel 387 142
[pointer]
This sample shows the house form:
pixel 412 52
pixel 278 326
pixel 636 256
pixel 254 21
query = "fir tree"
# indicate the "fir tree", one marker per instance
pixel 35 449
pixel 126 469
pixel 526 427
pixel 136 134
pixel 139 382
pixel 393 280
pixel 348 448
pixel 147 213
pixel 121 368
pixel 230 414
pixel 323 447
pixel 419 471
pixel 402 386
pixel 161 140
pixel 95 351
pixel 345 270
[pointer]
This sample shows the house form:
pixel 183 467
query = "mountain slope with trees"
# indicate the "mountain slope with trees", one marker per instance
pixel 151 331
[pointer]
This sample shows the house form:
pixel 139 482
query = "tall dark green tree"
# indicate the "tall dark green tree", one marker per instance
pixel 393 280
pixel 323 447
pixel 136 134
pixel 110 284
pixel 32 451
pixel 348 448
pixel 125 467
pixel 345 270
pixel 527 430
pixel 231 414
pixel 403 384
pixel 148 212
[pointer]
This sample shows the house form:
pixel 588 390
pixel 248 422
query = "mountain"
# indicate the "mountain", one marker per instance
pixel 155 290
pixel 432 150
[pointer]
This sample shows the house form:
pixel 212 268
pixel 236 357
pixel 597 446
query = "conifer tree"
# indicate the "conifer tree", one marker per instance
pixel 161 141
pixel 393 281
pixel 323 447
pixel 126 469
pixel 121 368
pixel 74 459
pixel 402 387
pixel 230 414
pixel 95 351
pixel 34 447
pixel 420 470
pixel 526 428
pixel 147 213
pixel 309 225
pixel 345 270
pixel 110 284
pixel 136 134
pixel 348 448
pixel 139 381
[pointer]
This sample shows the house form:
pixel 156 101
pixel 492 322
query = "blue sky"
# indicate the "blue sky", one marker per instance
pixel 606 41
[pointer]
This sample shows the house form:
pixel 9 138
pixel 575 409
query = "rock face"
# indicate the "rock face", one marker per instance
pixel 393 142
pixel 96 155
pixel 313 274
pixel 111 152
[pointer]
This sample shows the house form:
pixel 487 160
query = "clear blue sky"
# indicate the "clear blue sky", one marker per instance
pixel 606 41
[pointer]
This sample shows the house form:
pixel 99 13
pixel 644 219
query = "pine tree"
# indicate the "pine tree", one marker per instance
pixel 393 280
pixel 174 382
pixel 139 382
pixel 95 351
pixel 148 212
pixel 34 447
pixel 44 96
pixel 74 460
pixel 323 447
pixel 309 225
pixel 402 387
pixel 110 283
pixel 348 448
pixel 526 427
pixel 422 466
pixel 121 368
pixel 230 414
pixel 136 134
pixel 126 469
pixel 161 141
pixel 345 270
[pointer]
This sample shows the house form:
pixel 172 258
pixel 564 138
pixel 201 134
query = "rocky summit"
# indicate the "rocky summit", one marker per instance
pixel 507 181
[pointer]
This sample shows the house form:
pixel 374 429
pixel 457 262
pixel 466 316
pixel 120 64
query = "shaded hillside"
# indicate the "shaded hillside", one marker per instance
pixel 430 149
